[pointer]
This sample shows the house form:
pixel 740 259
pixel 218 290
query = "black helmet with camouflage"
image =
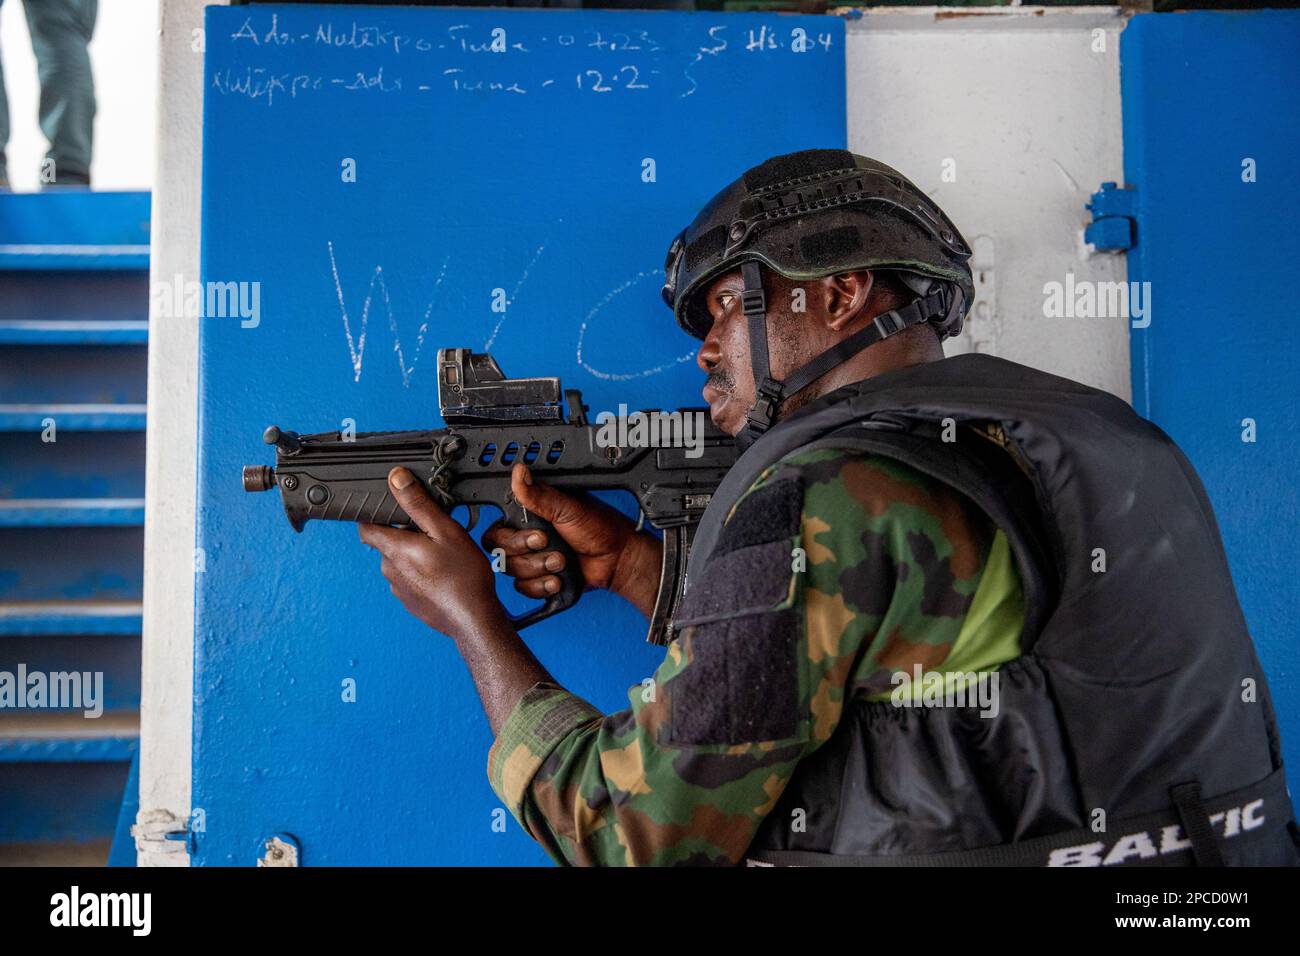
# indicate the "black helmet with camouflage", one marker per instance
pixel 811 214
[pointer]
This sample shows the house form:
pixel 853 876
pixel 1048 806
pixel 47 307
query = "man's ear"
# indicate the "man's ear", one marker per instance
pixel 847 294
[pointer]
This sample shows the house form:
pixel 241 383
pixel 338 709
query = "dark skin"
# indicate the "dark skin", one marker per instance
pixel 443 578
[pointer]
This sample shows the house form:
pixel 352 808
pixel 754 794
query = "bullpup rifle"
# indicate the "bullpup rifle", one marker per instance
pixel 492 422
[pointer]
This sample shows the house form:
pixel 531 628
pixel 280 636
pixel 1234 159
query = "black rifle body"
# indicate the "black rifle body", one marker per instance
pixel 336 477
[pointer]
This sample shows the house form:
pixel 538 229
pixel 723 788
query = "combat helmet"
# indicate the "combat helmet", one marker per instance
pixel 811 214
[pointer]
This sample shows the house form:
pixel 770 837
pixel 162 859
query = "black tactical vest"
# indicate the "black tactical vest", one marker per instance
pixel 1138 693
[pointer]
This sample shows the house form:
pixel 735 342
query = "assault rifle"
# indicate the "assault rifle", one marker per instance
pixel 492 422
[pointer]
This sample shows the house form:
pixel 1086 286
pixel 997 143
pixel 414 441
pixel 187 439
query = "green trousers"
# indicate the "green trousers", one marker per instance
pixel 60 30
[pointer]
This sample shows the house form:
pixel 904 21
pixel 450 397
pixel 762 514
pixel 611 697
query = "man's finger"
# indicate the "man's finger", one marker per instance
pixel 417 504
pixel 535 565
pixel 387 541
pixel 495 536
pixel 538 587
pixel 513 541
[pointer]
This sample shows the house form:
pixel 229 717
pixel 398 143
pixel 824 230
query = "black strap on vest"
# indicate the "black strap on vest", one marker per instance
pixel 768 392
pixel 1276 812
pixel 1196 823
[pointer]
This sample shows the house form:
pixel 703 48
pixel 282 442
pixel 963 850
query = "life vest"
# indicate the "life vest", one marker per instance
pixel 1136 727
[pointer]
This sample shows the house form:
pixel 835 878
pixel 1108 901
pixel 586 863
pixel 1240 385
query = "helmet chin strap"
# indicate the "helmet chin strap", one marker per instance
pixel 769 393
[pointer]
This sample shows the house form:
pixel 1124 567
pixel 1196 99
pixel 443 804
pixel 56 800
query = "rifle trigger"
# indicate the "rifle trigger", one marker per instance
pixel 510 495
pixel 473 517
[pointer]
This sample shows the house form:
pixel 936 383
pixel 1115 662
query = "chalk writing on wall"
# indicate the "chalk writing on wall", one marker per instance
pixel 356 323
pixel 479 60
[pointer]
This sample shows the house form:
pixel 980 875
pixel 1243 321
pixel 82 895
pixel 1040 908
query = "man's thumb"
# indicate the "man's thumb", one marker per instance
pixel 547 502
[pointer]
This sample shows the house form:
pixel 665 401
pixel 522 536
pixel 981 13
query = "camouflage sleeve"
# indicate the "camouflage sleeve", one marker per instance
pixel 838 569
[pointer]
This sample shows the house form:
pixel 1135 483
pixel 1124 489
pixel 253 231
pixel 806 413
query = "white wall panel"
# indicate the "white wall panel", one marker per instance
pixel 1028 112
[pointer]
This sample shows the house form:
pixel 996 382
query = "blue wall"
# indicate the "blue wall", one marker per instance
pixel 1203 92
pixel 463 186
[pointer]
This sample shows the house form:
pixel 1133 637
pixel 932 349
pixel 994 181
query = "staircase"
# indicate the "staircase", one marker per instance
pixel 74 298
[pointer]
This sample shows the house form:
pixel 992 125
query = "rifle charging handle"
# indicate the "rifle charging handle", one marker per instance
pixel 286 443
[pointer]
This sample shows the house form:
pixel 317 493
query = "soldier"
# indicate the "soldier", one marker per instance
pixel 951 611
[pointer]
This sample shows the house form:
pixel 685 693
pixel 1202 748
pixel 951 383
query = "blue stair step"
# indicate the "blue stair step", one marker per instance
pixel 108 418
pixel 54 736
pixel 75 229
pixel 70 617
pixel 74 292
pixel 73 332
pixel 52 256
pixel 71 512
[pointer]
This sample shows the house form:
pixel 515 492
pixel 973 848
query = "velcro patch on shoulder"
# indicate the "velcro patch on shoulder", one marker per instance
pixel 770 513
pixel 744 581
pixel 742 684
pixel 741 626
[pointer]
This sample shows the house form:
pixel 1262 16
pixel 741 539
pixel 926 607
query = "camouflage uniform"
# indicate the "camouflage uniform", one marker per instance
pixel 896 569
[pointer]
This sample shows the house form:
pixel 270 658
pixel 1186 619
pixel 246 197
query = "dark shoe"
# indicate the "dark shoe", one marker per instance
pixel 64 178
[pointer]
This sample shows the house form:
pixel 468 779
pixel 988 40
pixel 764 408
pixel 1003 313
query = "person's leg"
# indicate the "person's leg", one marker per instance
pixel 4 128
pixel 60 31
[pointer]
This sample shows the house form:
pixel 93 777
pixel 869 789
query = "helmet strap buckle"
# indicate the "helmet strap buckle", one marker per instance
pixel 753 301
pixel 767 400
pixel 889 323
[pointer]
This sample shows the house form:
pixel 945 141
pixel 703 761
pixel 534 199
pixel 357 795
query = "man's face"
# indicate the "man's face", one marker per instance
pixel 803 320
pixel 730 388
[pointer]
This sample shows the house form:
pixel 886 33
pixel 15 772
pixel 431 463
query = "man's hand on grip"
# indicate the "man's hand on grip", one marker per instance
pixel 610 552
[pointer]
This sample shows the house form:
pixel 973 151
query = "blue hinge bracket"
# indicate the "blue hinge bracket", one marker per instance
pixel 1114 218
